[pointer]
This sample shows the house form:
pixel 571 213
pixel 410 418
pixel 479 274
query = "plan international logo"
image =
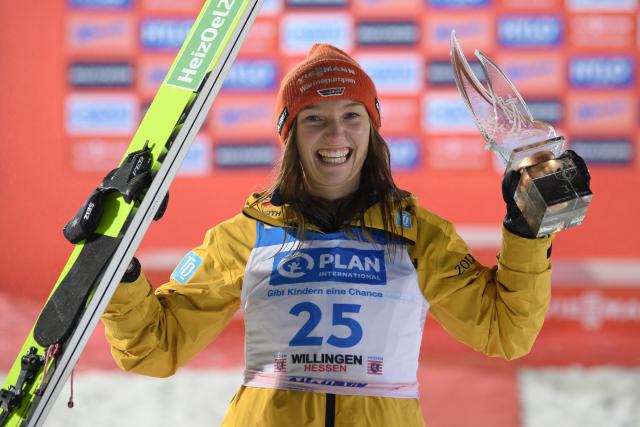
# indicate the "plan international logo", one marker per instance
pixel 204 44
pixel 345 265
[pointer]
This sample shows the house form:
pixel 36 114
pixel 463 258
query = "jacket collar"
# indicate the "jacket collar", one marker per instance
pixel 271 212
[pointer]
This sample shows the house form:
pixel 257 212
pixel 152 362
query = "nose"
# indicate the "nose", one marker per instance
pixel 335 131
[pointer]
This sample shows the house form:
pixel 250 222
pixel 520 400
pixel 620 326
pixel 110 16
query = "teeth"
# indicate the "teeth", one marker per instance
pixel 334 157
pixel 334 153
pixel 334 160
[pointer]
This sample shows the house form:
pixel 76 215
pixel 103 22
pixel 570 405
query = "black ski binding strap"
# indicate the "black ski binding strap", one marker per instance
pixel 10 399
pixel 86 220
pixel 130 179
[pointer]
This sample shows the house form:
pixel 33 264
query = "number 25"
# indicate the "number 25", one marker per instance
pixel 302 337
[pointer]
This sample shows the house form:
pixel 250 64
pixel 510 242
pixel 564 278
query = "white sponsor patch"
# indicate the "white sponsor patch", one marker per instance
pixel 332 91
pixel 187 268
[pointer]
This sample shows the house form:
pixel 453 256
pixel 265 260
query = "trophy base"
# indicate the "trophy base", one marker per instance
pixel 553 195
pixel 531 154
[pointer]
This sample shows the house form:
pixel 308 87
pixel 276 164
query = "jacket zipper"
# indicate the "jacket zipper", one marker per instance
pixel 330 411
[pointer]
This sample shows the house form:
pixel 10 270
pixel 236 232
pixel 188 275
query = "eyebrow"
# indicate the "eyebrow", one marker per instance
pixel 349 105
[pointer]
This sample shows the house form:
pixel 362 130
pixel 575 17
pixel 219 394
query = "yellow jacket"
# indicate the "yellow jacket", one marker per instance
pixel 496 310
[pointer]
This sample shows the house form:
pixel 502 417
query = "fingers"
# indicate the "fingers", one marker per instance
pixel 580 163
pixel 510 183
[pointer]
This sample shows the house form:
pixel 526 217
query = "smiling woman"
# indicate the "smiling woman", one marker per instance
pixel 333 141
pixel 332 259
pixel 335 164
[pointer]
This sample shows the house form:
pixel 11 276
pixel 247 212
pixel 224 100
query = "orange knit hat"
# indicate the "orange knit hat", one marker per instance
pixel 327 73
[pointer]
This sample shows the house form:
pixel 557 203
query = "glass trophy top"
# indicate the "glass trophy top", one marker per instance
pixel 499 112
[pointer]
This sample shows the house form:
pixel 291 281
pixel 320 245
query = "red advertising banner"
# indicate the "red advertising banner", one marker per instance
pixel 71 108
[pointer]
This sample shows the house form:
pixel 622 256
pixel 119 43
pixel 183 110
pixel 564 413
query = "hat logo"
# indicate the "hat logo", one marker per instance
pixel 282 119
pixel 321 71
pixel 332 91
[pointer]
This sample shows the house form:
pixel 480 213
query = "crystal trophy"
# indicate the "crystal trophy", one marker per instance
pixel 553 194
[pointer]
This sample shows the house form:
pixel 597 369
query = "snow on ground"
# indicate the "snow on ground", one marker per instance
pixel 580 397
pixel 108 398
pixel 550 397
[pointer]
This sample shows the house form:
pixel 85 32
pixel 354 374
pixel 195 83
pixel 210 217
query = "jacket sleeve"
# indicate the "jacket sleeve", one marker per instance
pixel 154 333
pixel 497 310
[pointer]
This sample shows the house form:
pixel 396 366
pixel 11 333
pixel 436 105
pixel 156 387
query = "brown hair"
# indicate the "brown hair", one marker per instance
pixel 375 181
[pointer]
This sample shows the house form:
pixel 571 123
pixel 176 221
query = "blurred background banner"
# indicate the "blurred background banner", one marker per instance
pixel 78 75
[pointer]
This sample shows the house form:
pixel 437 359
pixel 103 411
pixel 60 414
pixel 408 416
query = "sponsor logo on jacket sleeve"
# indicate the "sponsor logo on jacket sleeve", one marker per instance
pixel 403 219
pixel 601 71
pixel 187 268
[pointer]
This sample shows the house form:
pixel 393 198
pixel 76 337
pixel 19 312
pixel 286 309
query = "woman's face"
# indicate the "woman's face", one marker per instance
pixel 333 138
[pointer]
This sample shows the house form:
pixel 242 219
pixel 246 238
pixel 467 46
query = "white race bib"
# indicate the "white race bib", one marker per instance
pixel 335 315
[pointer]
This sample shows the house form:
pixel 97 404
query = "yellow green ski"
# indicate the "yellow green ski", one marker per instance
pixel 127 199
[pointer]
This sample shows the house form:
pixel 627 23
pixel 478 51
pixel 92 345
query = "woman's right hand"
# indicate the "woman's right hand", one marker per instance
pixel 133 271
